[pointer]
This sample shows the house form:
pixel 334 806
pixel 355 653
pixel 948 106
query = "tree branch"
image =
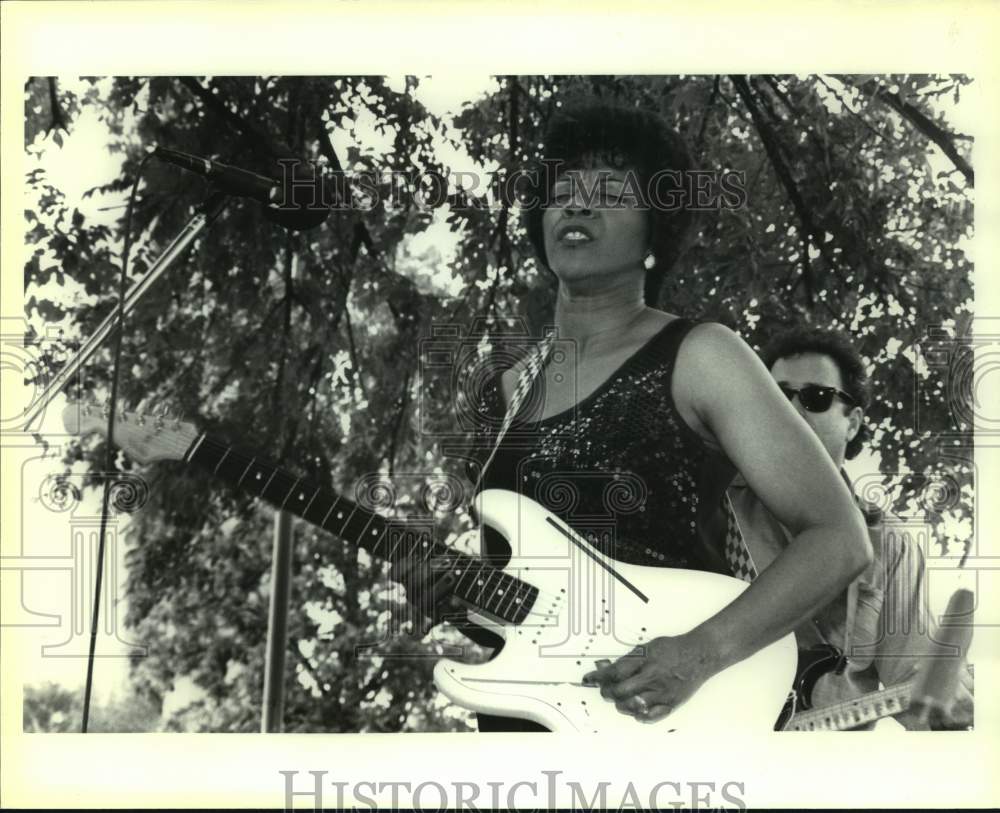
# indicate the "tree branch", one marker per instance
pixel 773 151
pixel 704 117
pixel 354 351
pixel 856 115
pixel 404 403
pixel 58 119
pixel 941 137
pixel 258 137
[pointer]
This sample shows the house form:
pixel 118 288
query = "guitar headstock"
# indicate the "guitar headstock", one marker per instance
pixel 143 436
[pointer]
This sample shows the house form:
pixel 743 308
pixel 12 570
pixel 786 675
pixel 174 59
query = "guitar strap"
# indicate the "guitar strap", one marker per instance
pixel 852 605
pixel 738 555
pixel 534 365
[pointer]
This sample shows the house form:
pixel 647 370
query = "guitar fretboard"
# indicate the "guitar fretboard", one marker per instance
pixel 852 713
pixel 858 711
pixel 476 581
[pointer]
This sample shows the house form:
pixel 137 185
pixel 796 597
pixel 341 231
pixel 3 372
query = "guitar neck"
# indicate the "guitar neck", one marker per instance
pixel 859 711
pixel 852 713
pixel 476 582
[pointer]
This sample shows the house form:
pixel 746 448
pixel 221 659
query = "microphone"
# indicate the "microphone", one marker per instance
pixel 934 688
pixel 296 202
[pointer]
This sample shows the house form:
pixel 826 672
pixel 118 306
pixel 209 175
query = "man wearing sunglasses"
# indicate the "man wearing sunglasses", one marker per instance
pixel 825 379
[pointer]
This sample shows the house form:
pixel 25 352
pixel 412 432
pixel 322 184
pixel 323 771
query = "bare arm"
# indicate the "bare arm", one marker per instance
pixel 725 392
pixel 786 466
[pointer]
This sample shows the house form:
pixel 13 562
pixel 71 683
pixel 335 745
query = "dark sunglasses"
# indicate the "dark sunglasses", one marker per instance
pixel 815 398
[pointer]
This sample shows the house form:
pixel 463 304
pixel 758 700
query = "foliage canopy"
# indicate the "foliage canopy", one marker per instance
pixel 304 346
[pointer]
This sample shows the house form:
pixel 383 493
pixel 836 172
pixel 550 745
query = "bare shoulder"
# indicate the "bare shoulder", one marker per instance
pixel 713 360
pixel 713 341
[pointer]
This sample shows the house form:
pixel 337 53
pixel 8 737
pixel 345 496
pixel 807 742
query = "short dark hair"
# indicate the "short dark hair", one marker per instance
pixel 797 340
pixel 620 137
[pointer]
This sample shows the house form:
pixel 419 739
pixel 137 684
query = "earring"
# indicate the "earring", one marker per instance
pixel 650 261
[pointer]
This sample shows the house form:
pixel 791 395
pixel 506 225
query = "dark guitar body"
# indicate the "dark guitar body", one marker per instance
pixel 812 665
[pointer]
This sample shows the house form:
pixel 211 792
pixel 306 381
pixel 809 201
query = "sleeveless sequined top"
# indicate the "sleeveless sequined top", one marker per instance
pixel 621 466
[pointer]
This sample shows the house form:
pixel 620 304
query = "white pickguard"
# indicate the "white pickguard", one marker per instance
pixel 585 611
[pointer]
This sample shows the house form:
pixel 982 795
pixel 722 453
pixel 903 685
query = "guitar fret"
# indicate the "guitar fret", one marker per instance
pixel 225 454
pixel 484 589
pixel 518 594
pixel 462 566
pixel 394 536
pixel 424 545
pixel 340 515
pixel 247 469
pixel 503 590
pixel 486 572
pixel 284 502
pixel 465 572
pixel 505 601
pixel 308 504
pixel 514 596
pixel 390 555
pixel 524 605
pixel 358 533
pixel 410 541
pixel 189 455
pixel 495 594
pixel 330 511
pixel 269 479
pixel 468 591
pixel 206 455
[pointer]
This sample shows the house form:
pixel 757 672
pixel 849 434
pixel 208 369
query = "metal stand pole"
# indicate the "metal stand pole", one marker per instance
pixel 277 625
pixel 209 211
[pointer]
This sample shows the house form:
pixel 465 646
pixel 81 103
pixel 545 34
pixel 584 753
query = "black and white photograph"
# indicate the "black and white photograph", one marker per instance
pixel 475 415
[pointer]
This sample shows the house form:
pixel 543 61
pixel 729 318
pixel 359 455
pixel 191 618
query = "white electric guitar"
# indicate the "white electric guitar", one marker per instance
pixel 559 603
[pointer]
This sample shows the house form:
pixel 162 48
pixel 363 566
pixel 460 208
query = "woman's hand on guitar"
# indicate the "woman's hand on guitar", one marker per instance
pixel 429 597
pixel 652 680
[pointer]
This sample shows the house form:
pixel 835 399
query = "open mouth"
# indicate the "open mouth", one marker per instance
pixel 573 235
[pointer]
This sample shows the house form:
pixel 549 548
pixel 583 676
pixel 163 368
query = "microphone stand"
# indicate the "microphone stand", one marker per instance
pixel 207 213
pixel 204 217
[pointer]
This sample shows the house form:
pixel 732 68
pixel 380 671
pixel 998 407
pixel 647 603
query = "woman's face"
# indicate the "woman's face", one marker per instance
pixel 595 229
